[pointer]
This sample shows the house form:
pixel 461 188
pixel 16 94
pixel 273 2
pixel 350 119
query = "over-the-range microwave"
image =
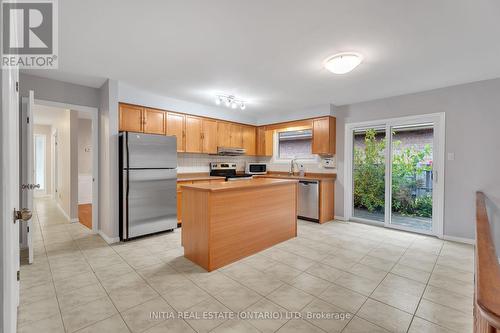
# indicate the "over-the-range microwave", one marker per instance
pixel 256 168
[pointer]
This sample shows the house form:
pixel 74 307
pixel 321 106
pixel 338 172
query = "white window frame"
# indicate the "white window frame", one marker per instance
pixel 276 147
pixel 438 119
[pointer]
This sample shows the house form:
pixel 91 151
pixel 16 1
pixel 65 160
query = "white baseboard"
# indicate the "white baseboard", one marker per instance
pixel 62 211
pixel 460 239
pixel 75 220
pixel 340 218
pixel 108 240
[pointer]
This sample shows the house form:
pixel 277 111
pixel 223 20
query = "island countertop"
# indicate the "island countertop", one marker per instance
pixel 238 184
pixel 227 221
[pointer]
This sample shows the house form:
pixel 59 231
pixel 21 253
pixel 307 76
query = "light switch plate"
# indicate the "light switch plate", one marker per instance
pixel 451 156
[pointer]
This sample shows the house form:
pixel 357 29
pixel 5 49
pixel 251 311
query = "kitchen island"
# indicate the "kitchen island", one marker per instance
pixel 227 221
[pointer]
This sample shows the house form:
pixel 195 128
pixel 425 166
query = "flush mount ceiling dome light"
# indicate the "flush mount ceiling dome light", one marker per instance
pixel 343 63
pixel 230 101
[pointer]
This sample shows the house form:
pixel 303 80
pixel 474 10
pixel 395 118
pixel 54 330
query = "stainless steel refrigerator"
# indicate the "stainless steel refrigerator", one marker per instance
pixel 148 184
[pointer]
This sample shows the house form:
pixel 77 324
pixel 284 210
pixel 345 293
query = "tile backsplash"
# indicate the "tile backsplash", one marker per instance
pixel 194 163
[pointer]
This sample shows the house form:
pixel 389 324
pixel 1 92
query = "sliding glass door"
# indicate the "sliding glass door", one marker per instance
pixel 369 173
pixel 392 169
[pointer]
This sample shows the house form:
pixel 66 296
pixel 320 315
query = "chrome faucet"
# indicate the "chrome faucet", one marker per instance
pixel 292 162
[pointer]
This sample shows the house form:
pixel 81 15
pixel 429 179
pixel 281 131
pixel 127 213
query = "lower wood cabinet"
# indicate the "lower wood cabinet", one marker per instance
pixel 179 193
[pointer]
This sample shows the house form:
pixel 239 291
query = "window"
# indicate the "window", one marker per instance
pixel 40 160
pixel 295 144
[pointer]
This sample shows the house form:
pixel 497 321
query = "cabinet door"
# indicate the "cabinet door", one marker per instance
pixel 236 136
pixel 209 135
pixel 223 134
pixel 264 142
pixel 321 135
pixel 131 118
pixel 324 136
pixel 193 135
pixel 176 127
pixel 154 121
pixel 249 140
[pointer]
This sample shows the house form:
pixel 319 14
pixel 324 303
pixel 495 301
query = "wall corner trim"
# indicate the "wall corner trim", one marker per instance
pixel 340 218
pixel 108 240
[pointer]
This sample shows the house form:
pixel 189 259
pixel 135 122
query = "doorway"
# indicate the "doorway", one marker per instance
pixel 392 169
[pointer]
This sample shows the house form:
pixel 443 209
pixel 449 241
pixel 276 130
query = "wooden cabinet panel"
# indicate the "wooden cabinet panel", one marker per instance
pixel 236 136
pixel 324 136
pixel 249 140
pixel 326 200
pixel 264 141
pixel 154 121
pixel 223 134
pixel 194 142
pixel 131 118
pixel 209 135
pixel 176 127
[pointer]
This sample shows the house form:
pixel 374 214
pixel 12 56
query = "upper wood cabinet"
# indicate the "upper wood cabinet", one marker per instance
pixel 223 134
pixel 194 136
pixel 264 141
pixel 209 136
pixel 324 136
pixel 154 121
pixel 131 118
pixel 249 140
pixel 176 126
pixel 236 135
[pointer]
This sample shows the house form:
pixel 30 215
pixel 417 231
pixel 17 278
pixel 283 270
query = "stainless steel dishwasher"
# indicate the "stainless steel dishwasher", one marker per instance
pixel 308 200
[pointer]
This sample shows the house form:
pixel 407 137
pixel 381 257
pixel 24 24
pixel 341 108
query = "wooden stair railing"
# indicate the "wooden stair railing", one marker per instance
pixel 487 274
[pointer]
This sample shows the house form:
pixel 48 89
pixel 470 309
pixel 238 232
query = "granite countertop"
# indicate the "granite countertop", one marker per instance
pixel 238 184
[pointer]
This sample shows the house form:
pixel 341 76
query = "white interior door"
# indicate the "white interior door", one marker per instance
pixel 27 169
pixel 9 180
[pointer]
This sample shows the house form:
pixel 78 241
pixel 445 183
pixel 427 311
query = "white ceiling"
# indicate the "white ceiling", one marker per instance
pixel 270 53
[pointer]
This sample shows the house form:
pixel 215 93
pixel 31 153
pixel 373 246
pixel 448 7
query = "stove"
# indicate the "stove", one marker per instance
pixel 228 170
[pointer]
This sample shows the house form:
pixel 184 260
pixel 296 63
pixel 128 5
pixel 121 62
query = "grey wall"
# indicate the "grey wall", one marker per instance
pixel 472 126
pixel 84 141
pixel 58 91
pixel 108 160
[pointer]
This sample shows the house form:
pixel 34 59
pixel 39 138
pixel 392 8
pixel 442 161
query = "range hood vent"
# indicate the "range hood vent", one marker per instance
pixel 230 151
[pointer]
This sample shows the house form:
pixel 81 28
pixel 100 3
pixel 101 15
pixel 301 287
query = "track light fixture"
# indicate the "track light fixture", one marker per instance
pixel 230 101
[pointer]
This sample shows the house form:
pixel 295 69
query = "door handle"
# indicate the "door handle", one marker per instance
pixel 24 214
pixel 29 186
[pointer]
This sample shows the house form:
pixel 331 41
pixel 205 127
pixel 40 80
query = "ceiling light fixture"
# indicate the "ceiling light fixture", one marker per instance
pixel 230 101
pixel 343 63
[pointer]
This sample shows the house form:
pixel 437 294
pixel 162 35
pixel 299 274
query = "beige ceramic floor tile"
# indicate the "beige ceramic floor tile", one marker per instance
pixel 114 324
pixel 139 318
pixel 385 316
pixel 80 296
pixel 171 326
pixel 238 298
pixel 449 299
pixel 357 283
pixel 299 326
pixel 51 324
pixel 344 298
pixel 204 324
pixel 36 311
pixel 444 316
pixel 36 293
pixel 359 325
pixel 310 284
pixel 132 295
pixel 325 272
pixel 290 298
pixel 74 282
pixel 264 324
pixel 88 314
pixel 232 326
pixel 396 298
pixel 419 325
pixel 411 273
pixel 316 311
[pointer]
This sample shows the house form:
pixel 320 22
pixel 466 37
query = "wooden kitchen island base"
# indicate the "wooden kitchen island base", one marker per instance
pixel 227 221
